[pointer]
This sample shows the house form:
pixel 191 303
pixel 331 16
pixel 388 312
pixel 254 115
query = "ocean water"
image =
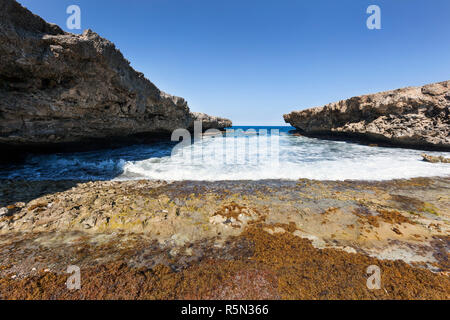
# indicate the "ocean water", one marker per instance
pixel 262 153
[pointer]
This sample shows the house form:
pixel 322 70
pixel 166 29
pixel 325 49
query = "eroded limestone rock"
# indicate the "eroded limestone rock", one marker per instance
pixel 434 159
pixel 57 87
pixel 413 116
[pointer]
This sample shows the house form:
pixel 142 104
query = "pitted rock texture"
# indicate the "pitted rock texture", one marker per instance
pixel 413 116
pixel 58 87
pixel 191 240
pixel 435 159
pixel 210 122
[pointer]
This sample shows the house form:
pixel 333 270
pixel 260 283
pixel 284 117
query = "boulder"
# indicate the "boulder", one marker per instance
pixel 435 159
pixel 210 122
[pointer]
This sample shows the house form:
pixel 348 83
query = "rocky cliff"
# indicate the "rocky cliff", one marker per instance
pixel 59 88
pixel 414 117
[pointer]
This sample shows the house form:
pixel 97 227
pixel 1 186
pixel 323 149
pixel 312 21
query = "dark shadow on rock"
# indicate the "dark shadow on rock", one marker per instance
pixel 84 163
pixel 16 153
pixel 12 191
pixel 367 140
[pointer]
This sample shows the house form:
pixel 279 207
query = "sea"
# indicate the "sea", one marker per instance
pixel 243 153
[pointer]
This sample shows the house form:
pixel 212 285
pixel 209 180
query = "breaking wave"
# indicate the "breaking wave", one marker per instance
pixel 250 157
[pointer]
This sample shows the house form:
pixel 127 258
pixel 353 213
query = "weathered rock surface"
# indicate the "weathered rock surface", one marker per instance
pixel 227 240
pixel 210 122
pixel 434 159
pixel 413 116
pixel 58 87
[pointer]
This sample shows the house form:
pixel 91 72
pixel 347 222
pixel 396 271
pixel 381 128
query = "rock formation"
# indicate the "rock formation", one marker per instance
pixel 416 117
pixel 210 122
pixel 435 159
pixel 59 88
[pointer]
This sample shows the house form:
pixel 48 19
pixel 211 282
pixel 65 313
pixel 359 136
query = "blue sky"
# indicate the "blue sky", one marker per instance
pixel 253 61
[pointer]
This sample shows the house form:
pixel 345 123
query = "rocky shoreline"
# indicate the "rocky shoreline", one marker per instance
pixel 266 239
pixel 232 239
pixel 413 117
pixel 60 90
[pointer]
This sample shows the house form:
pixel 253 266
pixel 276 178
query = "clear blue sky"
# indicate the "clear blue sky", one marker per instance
pixel 252 61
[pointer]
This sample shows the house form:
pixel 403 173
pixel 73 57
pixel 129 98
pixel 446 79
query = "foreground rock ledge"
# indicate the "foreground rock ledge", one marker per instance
pixel 416 117
pixel 59 88
pixel 225 240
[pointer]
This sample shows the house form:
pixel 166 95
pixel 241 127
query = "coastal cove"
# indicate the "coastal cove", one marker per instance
pixel 113 189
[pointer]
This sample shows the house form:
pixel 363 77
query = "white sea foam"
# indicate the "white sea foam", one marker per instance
pixel 247 158
pixel 299 157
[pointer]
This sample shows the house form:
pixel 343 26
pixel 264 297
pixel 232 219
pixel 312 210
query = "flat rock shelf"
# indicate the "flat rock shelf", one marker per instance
pixel 268 239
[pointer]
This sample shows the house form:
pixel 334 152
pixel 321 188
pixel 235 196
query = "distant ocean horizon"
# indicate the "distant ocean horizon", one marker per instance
pixel 248 157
